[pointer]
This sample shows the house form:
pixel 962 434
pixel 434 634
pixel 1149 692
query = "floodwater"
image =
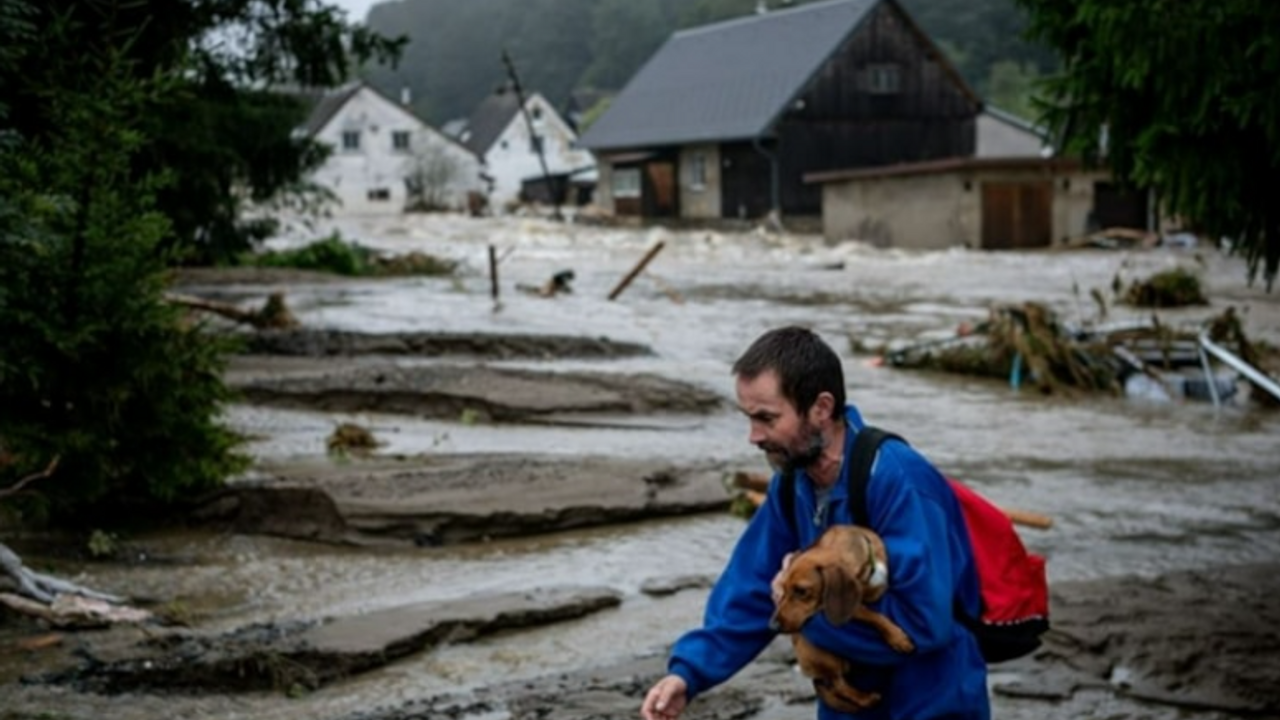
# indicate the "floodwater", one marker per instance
pixel 1133 486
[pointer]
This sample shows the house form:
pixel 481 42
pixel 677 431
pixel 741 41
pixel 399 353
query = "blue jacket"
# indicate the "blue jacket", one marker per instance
pixel 930 563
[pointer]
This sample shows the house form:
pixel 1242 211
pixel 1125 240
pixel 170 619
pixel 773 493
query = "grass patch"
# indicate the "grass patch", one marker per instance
pixel 335 255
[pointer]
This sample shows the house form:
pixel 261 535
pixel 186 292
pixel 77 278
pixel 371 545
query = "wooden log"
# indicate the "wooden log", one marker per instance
pixel 273 314
pixel 622 285
pixel 493 272
pixel 1027 518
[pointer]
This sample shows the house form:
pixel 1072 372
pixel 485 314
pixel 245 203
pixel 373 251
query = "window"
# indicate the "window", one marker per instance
pixel 536 113
pixel 350 139
pixel 626 182
pixel 400 140
pixel 698 171
pixel 535 144
pixel 379 194
pixel 884 79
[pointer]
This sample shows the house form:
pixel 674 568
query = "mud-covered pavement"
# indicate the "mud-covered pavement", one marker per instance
pixel 562 458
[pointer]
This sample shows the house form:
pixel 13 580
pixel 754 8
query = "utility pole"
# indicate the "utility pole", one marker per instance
pixel 534 137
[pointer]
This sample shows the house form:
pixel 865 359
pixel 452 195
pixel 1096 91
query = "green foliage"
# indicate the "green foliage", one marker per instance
pixel 103 544
pixel 219 138
pixel 335 255
pixel 1177 287
pixel 97 369
pixel 332 254
pixel 1178 97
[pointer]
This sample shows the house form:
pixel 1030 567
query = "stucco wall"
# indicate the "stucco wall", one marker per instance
pixel 352 174
pixel 940 210
pixel 921 211
pixel 700 201
pixel 1073 204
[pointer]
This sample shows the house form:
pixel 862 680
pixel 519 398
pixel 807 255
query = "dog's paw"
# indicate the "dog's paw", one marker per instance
pixel 899 641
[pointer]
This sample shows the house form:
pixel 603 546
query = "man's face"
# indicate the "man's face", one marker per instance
pixel 788 439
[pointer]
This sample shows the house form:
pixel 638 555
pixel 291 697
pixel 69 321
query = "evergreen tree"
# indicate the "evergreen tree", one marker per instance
pixel 1179 97
pixel 97 371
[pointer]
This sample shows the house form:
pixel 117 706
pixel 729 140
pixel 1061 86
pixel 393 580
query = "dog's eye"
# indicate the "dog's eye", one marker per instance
pixel 801 592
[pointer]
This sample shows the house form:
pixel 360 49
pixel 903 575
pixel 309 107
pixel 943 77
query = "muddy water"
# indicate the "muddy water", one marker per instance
pixel 1133 487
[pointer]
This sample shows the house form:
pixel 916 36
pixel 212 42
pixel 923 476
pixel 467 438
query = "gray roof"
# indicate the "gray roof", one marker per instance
pixel 326 105
pixel 490 118
pixel 725 81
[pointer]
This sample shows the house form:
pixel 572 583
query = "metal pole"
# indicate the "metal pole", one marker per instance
pixel 1258 378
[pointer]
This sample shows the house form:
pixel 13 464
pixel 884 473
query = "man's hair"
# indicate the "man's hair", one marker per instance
pixel 806 366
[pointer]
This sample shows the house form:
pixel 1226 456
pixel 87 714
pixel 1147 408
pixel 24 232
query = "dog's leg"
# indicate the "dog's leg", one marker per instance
pixel 887 628
pixel 841 696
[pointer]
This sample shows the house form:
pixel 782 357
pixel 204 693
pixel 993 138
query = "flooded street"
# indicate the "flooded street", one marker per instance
pixel 1134 487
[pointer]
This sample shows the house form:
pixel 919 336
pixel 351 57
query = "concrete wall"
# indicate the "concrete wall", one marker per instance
pixel 359 176
pixel 941 210
pixel 918 211
pixel 700 200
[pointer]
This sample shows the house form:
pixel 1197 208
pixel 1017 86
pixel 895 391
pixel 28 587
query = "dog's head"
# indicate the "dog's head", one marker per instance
pixel 833 576
pixel 817 580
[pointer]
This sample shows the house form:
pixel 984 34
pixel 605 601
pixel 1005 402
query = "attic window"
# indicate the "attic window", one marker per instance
pixel 400 140
pixel 351 140
pixel 536 112
pixel 884 79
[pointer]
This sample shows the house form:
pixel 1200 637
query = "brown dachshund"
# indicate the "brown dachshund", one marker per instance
pixel 845 568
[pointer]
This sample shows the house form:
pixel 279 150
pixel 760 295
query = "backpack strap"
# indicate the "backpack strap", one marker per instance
pixel 863 457
pixel 865 446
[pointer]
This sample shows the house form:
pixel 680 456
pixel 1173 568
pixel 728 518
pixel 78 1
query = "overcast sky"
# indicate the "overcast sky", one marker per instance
pixel 357 10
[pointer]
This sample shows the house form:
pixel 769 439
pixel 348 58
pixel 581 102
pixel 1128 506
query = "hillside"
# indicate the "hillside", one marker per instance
pixel 563 47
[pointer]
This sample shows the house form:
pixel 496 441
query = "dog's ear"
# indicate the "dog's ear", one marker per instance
pixel 841 594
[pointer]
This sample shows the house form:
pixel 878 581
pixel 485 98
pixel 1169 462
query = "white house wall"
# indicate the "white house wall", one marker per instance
pixel 512 158
pixel 370 179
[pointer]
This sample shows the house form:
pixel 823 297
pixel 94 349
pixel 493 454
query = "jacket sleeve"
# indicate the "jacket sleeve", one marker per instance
pixel 735 625
pixel 907 513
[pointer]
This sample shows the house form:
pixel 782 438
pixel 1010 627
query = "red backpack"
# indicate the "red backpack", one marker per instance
pixel 1011 581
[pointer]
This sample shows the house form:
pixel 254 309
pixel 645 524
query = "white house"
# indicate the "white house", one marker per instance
pixel 508 141
pixel 386 160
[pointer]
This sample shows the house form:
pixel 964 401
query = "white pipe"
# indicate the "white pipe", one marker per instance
pixel 1256 376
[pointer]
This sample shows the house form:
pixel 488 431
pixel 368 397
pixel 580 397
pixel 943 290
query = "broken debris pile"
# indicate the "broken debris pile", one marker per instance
pixel 1028 345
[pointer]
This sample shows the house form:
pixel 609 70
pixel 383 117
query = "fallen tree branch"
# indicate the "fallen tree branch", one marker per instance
pixel 273 314
pixel 18 486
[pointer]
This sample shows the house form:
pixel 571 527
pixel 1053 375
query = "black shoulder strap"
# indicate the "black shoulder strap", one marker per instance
pixel 863 456
pixel 865 447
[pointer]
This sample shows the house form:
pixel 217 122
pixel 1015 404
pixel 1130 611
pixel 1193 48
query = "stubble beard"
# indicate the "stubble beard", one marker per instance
pixel 784 459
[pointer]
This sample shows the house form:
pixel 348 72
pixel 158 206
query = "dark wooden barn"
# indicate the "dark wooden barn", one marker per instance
pixel 725 120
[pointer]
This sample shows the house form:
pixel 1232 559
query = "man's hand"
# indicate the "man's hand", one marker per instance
pixel 666 699
pixel 775 586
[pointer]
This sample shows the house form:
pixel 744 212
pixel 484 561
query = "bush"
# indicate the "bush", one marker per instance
pixel 96 368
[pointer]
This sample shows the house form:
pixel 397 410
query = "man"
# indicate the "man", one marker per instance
pixel 790 385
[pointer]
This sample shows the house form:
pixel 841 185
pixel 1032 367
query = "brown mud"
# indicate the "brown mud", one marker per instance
pixel 1199 644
